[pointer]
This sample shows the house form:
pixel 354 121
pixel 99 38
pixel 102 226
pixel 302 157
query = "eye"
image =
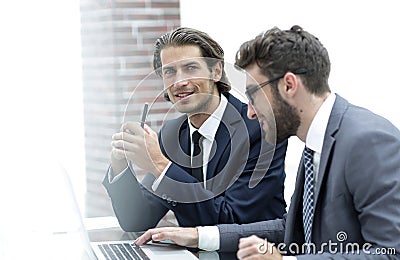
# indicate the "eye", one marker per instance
pixel 192 67
pixel 169 71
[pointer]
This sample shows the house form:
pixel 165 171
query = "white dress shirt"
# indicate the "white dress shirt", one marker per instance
pixel 209 235
pixel 316 132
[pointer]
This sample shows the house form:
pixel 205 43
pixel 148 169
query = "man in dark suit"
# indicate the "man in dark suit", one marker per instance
pixel 235 157
pixel 347 192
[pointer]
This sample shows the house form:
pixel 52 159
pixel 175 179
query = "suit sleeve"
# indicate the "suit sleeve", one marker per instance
pixel 135 207
pixel 272 230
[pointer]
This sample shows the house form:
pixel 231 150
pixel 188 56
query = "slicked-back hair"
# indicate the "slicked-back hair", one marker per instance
pixel 277 52
pixel 184 36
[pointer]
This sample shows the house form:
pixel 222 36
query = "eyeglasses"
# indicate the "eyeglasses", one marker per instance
pixel 251 90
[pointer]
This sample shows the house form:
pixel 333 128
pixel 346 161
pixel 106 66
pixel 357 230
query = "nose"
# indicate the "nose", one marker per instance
pixel 180 79
pixel 251 113
pixel 180 82
pixel 177 80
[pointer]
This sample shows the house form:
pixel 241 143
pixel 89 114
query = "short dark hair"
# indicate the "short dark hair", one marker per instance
pixel 184 36
pixel 279 51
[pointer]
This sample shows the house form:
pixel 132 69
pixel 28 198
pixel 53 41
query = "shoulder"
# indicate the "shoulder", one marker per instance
pixel 362 121
pixel 242 109
pixel 363 134
pixel 236 103
pixel 352 121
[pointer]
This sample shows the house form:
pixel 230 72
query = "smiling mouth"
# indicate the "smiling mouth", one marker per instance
pixel 183 95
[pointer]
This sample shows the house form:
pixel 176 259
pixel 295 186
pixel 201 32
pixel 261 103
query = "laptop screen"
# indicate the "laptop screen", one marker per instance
pixel 41 218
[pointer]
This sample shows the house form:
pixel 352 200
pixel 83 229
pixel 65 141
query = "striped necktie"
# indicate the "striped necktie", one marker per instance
pixel 308 195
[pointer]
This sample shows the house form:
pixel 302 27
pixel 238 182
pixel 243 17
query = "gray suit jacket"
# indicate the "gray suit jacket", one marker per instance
pixel 357 195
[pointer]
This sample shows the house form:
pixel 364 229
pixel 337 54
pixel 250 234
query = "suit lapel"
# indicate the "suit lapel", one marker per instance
pixel 217 149
pixel 184 139
pixel 333 125
pixel 223 137
pixel 294 221
pixel 176 143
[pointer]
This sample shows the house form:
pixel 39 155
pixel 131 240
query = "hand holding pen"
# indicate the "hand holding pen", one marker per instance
pixel 138 143
pixel 118 152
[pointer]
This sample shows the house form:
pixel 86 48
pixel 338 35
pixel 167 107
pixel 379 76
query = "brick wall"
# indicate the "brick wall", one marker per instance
pixel 117 48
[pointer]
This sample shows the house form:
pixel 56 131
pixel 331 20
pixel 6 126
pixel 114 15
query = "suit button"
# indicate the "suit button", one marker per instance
pixel 169 200
pixel 174 203
pixel 164 196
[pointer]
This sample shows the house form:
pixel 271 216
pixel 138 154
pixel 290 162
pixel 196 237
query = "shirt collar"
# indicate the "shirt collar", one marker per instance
pixel 316 132
pixel 209 128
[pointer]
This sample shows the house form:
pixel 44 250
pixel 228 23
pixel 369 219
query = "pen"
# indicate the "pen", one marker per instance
pixel 144 114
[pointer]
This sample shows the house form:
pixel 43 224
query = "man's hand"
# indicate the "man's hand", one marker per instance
pixel 139 146
pixel 254 247
pixel 188 237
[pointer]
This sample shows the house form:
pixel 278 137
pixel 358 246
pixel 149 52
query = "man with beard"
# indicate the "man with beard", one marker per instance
pixel 217 191
pixel 347 193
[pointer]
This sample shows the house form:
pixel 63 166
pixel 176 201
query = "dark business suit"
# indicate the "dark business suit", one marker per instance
pixel 235 154
pixel 357 194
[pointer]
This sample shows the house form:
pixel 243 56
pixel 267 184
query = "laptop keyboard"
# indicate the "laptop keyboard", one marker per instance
pixel 122 251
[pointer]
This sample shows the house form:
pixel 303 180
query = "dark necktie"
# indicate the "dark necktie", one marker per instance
pixel 308 195
pixel 197 158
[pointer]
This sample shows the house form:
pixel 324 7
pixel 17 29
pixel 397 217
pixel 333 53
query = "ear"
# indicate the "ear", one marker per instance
pixel 217 71
pixel 290 85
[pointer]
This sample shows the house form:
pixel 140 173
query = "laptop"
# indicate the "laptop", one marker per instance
pixel 108 241
pixel 126 249
pixel 44 222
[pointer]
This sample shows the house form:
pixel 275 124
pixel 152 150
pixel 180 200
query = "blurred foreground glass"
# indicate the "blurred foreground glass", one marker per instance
pixel 41 218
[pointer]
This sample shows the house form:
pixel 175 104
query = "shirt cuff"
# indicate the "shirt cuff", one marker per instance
pixel 208 238
pixel 111 178
pixel 156 183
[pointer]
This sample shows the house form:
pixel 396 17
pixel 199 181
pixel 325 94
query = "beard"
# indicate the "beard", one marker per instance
pixel 287 119
pixel 205 101
pixel 199 103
